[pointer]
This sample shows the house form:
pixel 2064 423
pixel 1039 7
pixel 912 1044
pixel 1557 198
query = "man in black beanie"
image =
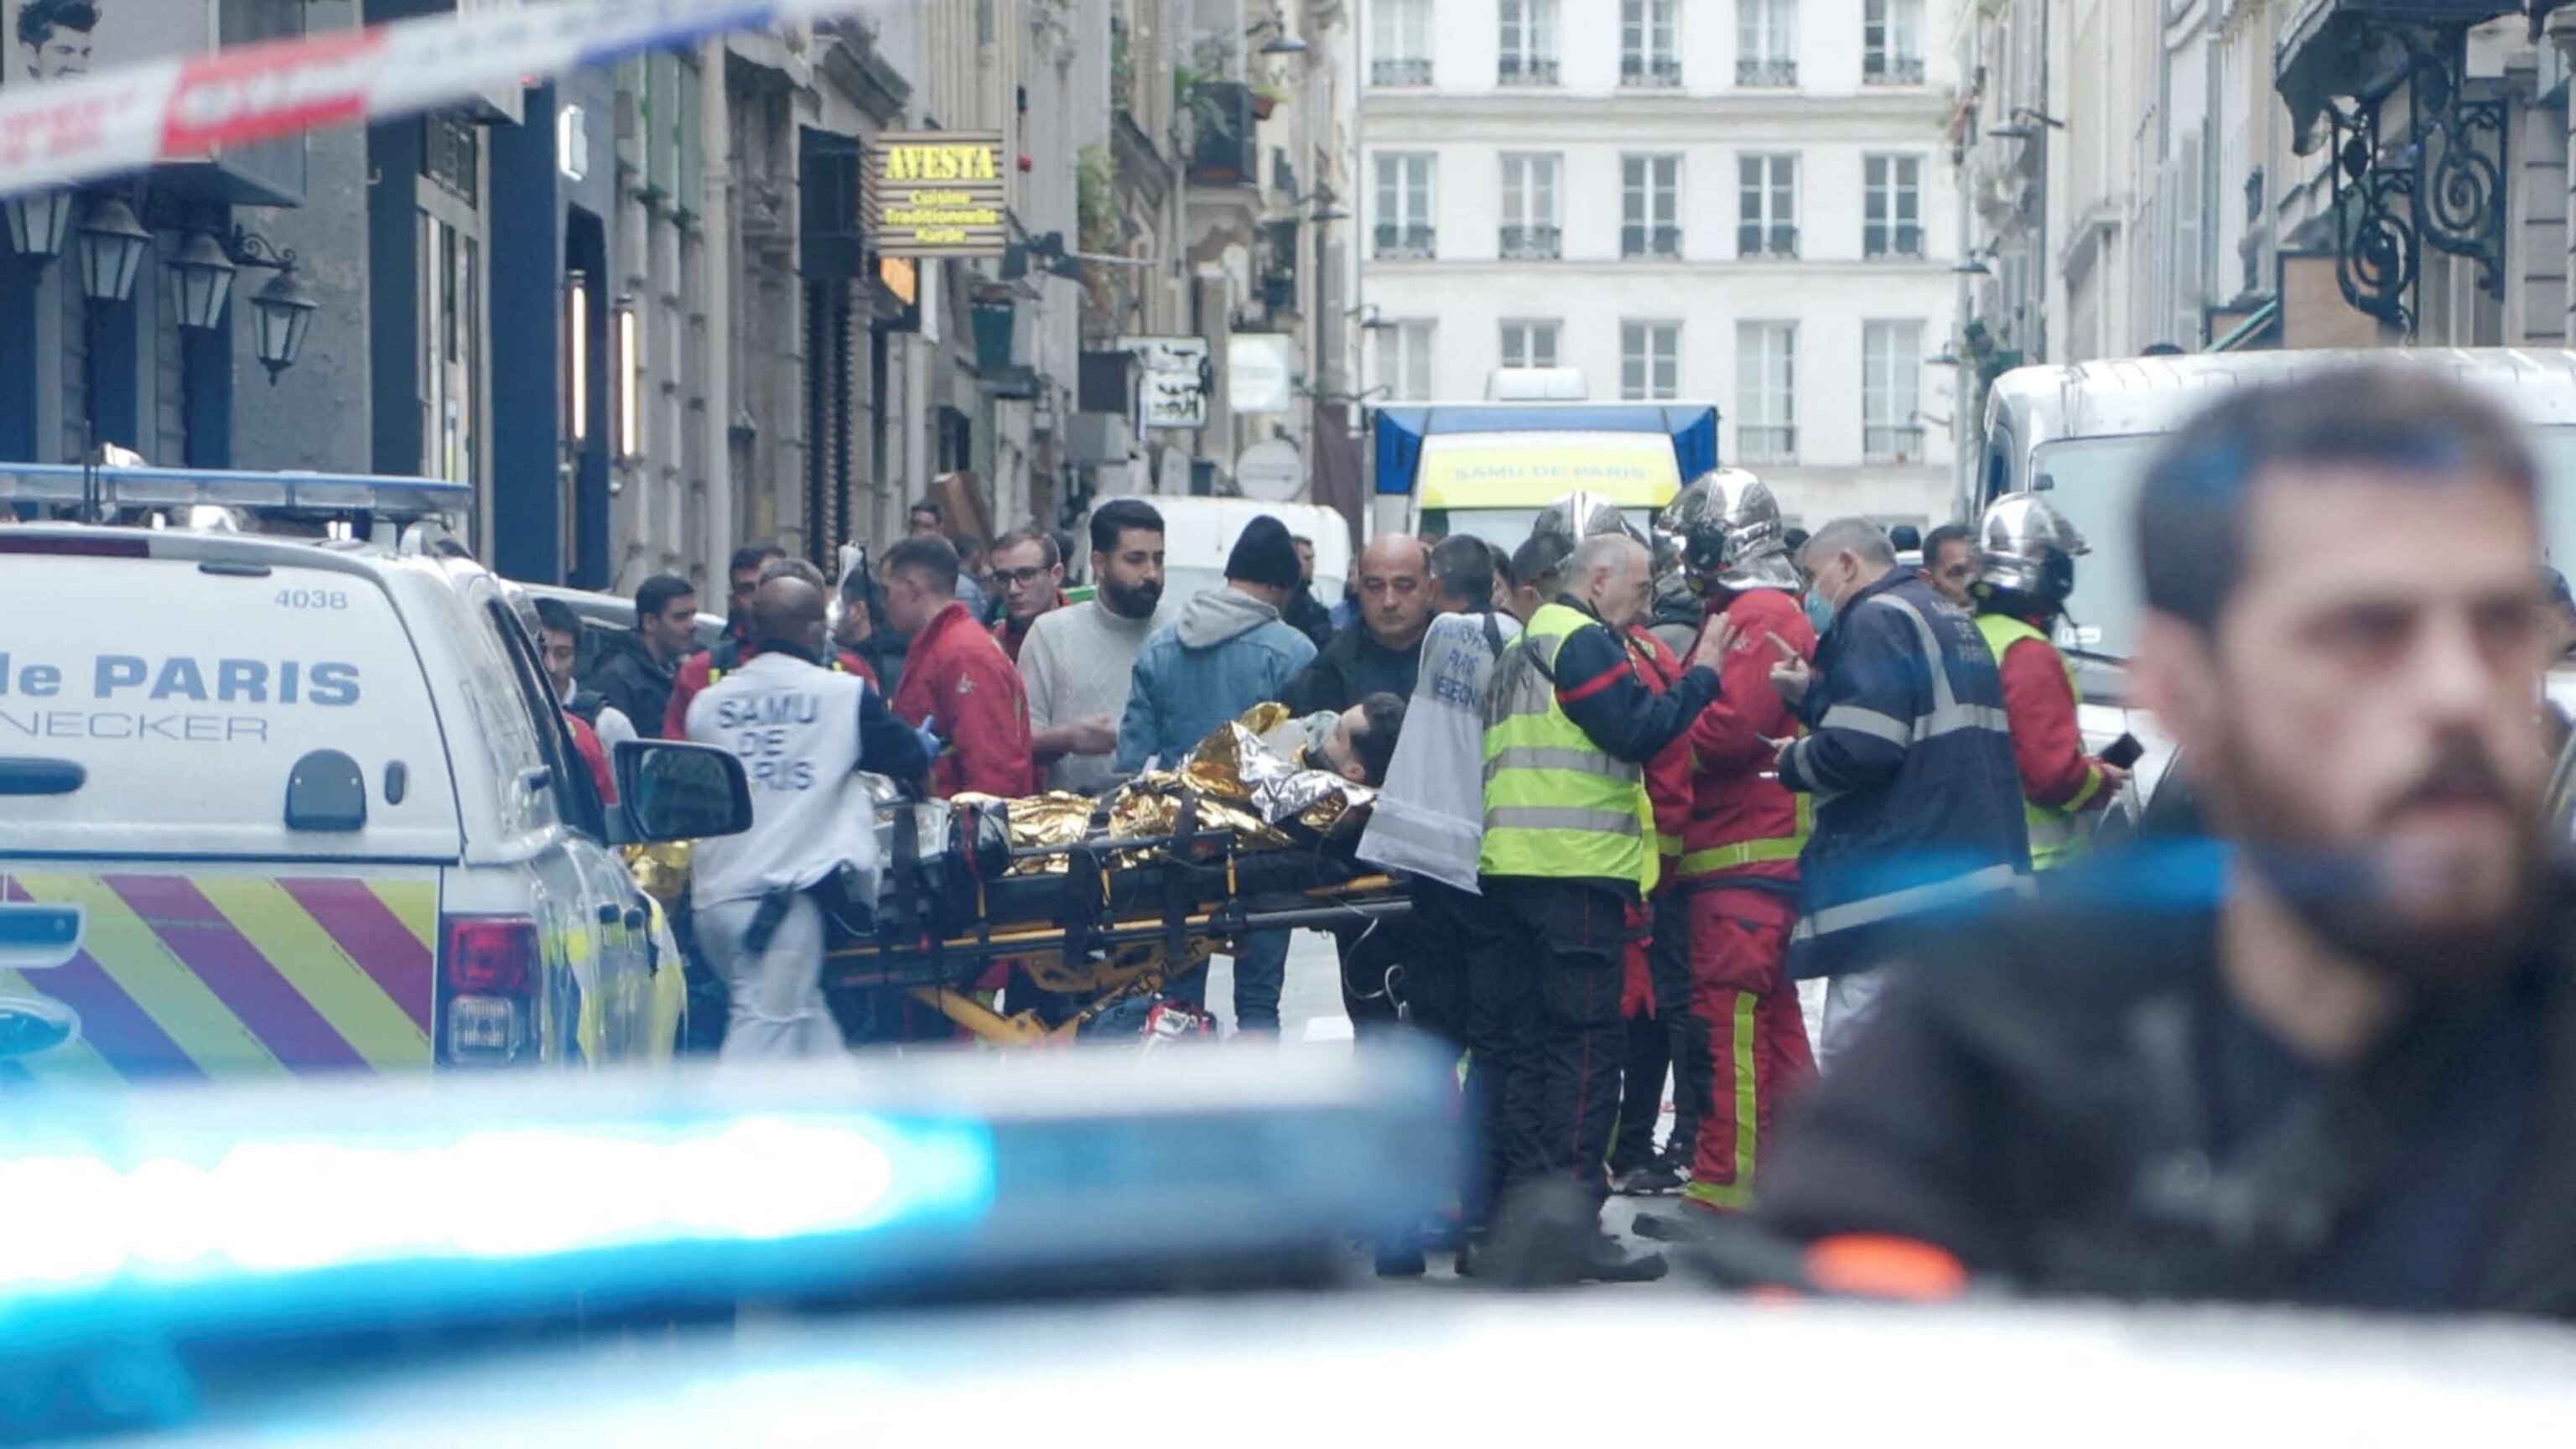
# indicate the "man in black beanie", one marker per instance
pixel 1227 652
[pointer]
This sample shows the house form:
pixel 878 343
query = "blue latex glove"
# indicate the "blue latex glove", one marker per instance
pixel 928 733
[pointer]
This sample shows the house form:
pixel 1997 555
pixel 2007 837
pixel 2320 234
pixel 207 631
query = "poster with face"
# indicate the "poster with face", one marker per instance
pixel 51 40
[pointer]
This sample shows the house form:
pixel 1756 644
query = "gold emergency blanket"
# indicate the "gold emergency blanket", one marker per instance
pixel 660 871
pixel 1238 783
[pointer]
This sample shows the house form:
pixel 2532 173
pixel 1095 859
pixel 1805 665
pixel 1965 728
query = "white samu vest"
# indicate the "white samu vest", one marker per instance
pixel 795 727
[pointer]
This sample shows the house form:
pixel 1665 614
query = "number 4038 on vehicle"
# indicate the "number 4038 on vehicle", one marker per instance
pixel 311 599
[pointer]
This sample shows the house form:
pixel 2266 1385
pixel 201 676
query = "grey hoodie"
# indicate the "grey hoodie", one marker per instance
pixel 1219 614
pixel 1226 653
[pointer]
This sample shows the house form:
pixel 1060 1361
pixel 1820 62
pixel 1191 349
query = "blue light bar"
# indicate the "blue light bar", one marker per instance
pixel 361 1202
pixel 397 499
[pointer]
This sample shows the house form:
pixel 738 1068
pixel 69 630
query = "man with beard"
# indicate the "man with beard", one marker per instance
pixel 1077 660
pixel 2331 1058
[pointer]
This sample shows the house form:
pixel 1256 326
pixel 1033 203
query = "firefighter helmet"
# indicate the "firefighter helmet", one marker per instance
pixel 2026 552
pixel 1578 516
pixel 1728 524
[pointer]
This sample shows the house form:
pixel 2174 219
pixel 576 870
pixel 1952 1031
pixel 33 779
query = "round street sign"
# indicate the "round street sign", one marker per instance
pixel 1271 472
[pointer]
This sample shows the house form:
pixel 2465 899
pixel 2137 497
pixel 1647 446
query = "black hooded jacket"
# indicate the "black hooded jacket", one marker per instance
pixel 2064 1096
pixel 632 680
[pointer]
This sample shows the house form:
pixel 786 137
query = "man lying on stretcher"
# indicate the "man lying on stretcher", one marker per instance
pixel 1354 743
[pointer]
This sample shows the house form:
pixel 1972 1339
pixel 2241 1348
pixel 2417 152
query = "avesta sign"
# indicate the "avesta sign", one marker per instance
pixel 924 161
pixel 938 194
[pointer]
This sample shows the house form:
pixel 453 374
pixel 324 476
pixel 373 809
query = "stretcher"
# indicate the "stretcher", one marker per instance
pixel 1108 922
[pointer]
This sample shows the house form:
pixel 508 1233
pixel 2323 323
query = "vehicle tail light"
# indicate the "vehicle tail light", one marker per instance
pixel 487 990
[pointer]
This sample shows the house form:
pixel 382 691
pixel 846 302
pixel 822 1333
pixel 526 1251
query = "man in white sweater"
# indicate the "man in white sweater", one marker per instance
pixel 1077 661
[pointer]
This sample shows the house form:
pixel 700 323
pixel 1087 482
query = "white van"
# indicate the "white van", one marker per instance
pixel 284 805
pixel 1198 533
pixel 2083 436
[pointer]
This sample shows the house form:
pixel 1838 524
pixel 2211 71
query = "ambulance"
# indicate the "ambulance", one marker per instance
pixel 294 796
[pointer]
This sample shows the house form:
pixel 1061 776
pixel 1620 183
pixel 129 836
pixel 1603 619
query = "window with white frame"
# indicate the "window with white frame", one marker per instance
pixel 1650 361
pixel 1766 42
pixel 1404 198
pixel 1529 344
pixel 1528 43
pixel 1766 206
pixel 1766 392
pixel 1891 392
pixel 1650 43
pixel 1650 206
pixel 1400 49
pixel 1404 361
pixel 1891 43
pixel 1892 206
pixel 1530 228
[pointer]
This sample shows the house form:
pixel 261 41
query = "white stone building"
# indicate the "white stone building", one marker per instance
pixel 1739 201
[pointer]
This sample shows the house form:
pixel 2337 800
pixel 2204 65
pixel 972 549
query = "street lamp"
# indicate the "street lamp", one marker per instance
pixel 205 275
pixel 37 222
pixel 1280 41
pixel 282 312
pixel 112 244
pixel 209 263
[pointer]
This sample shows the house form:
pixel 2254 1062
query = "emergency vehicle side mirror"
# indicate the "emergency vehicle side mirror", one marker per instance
pixel 668 791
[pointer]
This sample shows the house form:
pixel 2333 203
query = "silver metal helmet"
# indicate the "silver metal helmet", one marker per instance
pixel 1728 523
pixel 2027 548
pixel 1578 516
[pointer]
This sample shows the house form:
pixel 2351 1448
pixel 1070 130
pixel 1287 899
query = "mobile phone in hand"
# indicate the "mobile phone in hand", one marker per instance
pixel 2123 752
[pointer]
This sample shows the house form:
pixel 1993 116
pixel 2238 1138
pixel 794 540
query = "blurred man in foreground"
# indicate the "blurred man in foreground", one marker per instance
pixel 2334 1060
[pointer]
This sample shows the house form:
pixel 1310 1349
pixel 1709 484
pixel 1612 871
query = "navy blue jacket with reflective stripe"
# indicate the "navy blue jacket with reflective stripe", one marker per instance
pixel 1909 759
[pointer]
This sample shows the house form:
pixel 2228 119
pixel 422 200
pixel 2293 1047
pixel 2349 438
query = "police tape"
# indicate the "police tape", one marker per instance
pixel 67 132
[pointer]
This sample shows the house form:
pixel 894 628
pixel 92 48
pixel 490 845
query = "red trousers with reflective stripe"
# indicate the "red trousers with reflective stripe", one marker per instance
pixel 1758 1045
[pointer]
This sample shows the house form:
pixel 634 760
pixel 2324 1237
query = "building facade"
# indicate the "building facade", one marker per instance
pixel 1734 201
pixel 641 308
pixel 2225 174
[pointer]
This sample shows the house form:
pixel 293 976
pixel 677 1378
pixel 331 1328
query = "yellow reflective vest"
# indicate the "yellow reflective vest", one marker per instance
pixel 2057 835
pixel 1556 804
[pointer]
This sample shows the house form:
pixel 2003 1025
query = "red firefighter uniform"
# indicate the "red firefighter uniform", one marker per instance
pixel 1740 864
pixel 1668 790
pixel 2059 782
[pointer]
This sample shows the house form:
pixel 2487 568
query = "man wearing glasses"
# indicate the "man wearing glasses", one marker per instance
pixel 1030 573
